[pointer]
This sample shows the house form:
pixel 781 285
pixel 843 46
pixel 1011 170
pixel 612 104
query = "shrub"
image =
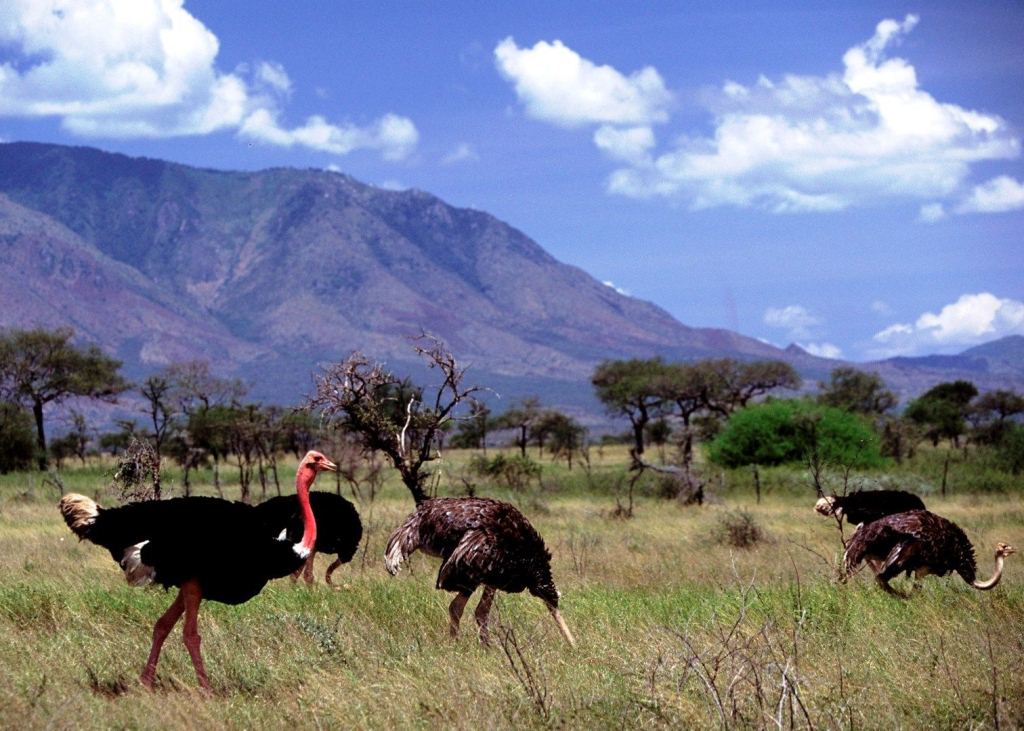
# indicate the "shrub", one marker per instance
pixel 514 472
pixel 781 431
pixel 738 529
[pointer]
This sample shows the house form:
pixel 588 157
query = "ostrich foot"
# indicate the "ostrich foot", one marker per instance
pixel 889 590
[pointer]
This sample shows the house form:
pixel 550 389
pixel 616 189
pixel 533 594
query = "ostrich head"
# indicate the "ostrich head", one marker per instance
pixel 317 462
pixel 543 587
pixel 1004 549
pixel 826 506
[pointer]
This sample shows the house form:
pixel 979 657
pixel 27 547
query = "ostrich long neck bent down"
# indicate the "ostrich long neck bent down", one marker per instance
pixel 303 481
pixel 996 576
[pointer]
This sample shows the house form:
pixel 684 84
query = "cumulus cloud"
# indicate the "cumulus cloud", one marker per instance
pixel 996 196
pixel 147 68
pixel 863 133
pixel 557 85
pixel 972 319
pixel 796 320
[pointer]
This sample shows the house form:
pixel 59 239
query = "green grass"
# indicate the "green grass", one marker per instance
pixel 674 628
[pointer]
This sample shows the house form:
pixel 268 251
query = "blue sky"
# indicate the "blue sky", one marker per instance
pixel 847 178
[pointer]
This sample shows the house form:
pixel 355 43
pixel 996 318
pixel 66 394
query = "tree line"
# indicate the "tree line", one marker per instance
pixel 197 418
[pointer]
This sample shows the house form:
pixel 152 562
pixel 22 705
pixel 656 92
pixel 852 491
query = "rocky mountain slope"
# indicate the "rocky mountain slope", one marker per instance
pixel 270 273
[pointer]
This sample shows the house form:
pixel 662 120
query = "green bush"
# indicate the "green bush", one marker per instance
pixel 782 431
pixel 17 438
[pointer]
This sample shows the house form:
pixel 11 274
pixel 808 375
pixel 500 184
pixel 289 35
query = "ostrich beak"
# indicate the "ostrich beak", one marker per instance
pixel 562 626
pixel 328 465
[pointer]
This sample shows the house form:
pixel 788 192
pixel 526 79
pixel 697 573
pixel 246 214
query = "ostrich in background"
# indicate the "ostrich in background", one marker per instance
pixel 481 542
pixel 208 547
pixel 338 527
pixel 919 543
pixel 865 506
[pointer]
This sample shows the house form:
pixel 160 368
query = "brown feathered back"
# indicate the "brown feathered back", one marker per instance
pixel 912 540
pixel 482 541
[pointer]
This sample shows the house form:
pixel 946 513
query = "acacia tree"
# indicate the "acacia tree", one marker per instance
pixel 731 384
pixel 854 390
pixel 629 388
pixel 42 367
pixel 942 410
pixel 521 417
pixel 390 415
pixel 203 399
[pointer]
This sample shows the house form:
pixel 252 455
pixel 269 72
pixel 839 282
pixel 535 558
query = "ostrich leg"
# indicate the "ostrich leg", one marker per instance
pixel 307 570
pixel 455 612
pixel 483 609
pixel 193 597
pixel 330 570
pixel 161 629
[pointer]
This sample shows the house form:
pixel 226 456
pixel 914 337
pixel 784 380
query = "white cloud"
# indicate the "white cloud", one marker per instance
pixel 972 319
pixel 823 350
pixel 394 136
pixel 463 152
pixel 147 68
pixel 880 307
pixel 620 290
pixel 274 76
pixel 558 85
pixel 631 144
pixel 931 213
pixel 861 134
pixel 795 319
pixel 996 196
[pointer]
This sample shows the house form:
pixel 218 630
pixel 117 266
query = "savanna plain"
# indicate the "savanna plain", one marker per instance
pixel 733 614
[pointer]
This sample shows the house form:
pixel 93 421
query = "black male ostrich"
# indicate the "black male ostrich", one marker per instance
pixel 865 506
pixel 920 543
pixel 338 528
pixel 480 541
pixel 210 548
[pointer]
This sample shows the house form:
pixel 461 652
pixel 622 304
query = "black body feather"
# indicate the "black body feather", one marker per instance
pixel 338 527
pixel 865 506
pixel 224 545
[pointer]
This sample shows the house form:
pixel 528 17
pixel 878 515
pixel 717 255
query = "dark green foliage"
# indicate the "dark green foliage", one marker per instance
pixel 853 390
pixel 1010 450
pixel 41 367
pixel 780 431
pixel 943 409
pixel 513 472
pixel 17 442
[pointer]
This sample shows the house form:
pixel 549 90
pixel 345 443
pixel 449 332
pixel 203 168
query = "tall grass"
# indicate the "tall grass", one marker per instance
pixel 675 628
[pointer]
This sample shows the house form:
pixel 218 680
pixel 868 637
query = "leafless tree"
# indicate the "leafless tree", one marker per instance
pixel 390 415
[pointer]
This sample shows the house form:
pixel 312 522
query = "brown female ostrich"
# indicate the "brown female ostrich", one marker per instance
pixel 480 541
pixel 920 543
pixel 210 548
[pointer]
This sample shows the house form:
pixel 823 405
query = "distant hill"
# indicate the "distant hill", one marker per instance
pixel 270 273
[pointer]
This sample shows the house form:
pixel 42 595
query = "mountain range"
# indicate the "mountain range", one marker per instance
pixel 270 274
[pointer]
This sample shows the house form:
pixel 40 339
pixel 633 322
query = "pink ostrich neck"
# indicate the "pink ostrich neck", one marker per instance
pixel 303 481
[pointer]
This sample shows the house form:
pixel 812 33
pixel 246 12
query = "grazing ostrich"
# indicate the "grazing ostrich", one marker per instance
pixel 865 506
pixel 919 543
pixel 338 528
pixel 210 548
pixel 480 541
